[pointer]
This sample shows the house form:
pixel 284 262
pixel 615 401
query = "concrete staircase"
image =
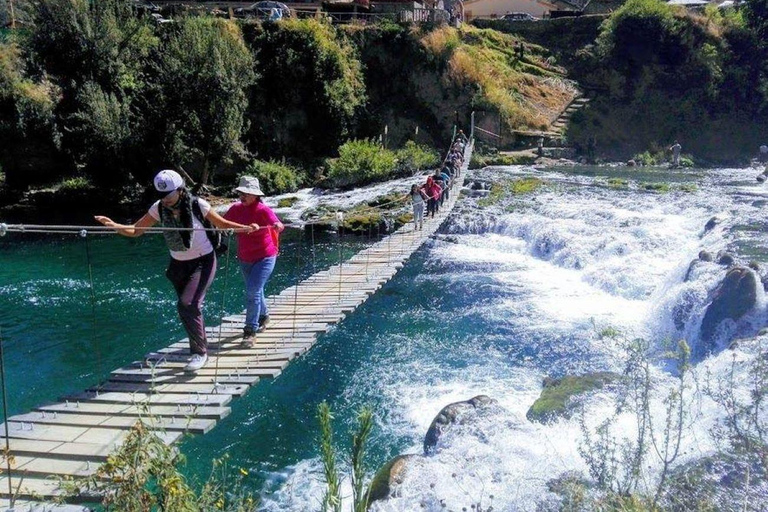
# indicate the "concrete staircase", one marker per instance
pixel 564 118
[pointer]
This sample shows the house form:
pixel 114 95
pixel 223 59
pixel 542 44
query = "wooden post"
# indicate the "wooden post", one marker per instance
pixel 13 18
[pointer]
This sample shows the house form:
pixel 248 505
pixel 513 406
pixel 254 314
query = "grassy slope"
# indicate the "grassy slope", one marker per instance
pixel 424 78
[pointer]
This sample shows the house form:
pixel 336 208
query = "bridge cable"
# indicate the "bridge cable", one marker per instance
pixel 84 235
pixel 296 286
pixel 222 309
pixel 7 454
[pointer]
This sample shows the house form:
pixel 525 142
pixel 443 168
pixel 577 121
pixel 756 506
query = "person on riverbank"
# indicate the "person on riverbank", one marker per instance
pixel 193 258
pixel 418 198
pixel 763 155
pixel 676 148
pixel 432 191
pixel 257 252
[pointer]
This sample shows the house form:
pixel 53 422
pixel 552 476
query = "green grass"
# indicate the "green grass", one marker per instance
pixel 513 187
pixel 73 184
pixel 660 188
pixel 287 202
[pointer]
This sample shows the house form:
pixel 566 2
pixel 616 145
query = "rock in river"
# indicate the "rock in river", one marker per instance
pixel 451 414
pixel 732 298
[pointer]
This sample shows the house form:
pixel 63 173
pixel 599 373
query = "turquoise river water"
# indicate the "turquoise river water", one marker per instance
pixel 503 296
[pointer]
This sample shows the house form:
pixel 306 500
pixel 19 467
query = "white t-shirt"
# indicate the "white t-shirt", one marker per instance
pixel 200 245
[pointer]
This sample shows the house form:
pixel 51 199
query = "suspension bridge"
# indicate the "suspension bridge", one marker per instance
pixel 72 438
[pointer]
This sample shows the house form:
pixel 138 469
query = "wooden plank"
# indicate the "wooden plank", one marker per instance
pixel 137 411
pixel 191 389
pixel 73 451
pixel 152 399
pixel 178 423
pixel 70 434
pixel 38 506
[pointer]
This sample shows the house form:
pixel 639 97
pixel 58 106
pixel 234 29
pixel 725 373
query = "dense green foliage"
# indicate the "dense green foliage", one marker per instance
pixel 414 157
pixel 360 162
pixel 310 91
pixel 275 177
pixel 669 74
pixel 205 70
pixel 144 474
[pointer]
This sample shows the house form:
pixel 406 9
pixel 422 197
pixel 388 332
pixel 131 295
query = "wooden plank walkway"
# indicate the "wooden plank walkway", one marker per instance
pixel 73 437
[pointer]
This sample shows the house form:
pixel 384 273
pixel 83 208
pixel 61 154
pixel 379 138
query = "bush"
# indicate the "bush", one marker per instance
pixel 360 162
pixel 275 177
pixel 75 184
pixel 414 157
pixel 310 91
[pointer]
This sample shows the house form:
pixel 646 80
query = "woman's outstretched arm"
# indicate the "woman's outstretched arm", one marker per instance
pixel 130 230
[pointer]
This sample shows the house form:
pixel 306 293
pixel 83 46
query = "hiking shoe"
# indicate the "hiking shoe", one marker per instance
pixel 248 337
pixel 263 321
pixel 197 362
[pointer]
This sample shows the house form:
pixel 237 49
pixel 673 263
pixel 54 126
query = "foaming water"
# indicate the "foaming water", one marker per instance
pixel 528 289
pixel 548 284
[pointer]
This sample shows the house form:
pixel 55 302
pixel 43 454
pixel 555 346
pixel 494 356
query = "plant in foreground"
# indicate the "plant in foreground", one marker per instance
pixel 329 456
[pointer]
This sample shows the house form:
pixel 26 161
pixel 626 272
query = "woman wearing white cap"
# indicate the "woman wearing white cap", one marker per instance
pixel 257 252
pixel 193 259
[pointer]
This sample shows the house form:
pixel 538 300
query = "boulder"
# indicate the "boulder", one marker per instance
pixel 731 300
pixel 706 256
pixel 449 415
pixel 631 163
pixel 725 258
pixel 389 476
pixel 691 267
pixel 557 394
pixel 711 223
pixel 761 178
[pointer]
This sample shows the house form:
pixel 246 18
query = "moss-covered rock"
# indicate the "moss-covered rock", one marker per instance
pixel 287 202
pixel 556 397
pixel 389 476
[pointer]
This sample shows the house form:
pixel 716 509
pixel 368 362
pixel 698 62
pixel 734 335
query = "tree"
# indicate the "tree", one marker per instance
pixel 310 91
pixel 205 70
pixel 98 53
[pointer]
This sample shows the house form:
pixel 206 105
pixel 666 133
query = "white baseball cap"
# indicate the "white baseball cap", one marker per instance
pixel 167 181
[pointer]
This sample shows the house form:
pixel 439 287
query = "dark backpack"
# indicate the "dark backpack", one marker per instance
pixel 215 237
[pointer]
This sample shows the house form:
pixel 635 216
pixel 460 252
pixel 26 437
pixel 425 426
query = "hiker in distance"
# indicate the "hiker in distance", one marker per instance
pixel 675 149
pixel 256 251
pixel 193 258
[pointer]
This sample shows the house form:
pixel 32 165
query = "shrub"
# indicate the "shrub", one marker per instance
pixel 275 177
pixel 310 90
pixel 287 202
pixel 414 157
pixel 75 184
pixel 360 162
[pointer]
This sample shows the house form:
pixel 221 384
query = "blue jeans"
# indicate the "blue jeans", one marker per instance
pixel 256 275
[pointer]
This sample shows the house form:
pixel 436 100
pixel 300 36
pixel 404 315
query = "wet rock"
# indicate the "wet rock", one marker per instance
pixel 691 267
pixel 725 258
pixel 556 399
pixel 681 313
pixel 731 300
pixel 631 163
pixel 754 266
pixel 761 178
pixel 711 223
pixel 449 415
pixel 389 476
pixel 706 256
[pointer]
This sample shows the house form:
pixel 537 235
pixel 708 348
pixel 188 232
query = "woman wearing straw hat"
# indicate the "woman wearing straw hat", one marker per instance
pixel 193 259
pixel 257 252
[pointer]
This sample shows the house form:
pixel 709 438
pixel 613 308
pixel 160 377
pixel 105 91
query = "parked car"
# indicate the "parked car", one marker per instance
pixel 263 9
pixel 519 16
